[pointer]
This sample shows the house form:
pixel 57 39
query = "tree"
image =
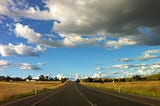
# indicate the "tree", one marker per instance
pixel 89 79
pixel 2 78
pixel 137 78
pixel 17 79
pixel 77 80
pixel 29 77
pixel 41 78
pixel 8 78
pixel 47 77
pixel 63 80
pixel 55 79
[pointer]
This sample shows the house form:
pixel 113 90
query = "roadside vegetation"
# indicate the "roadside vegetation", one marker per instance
pixel 141 85
pixel 15 88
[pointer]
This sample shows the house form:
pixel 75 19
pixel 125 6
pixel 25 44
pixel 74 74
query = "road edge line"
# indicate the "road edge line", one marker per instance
pixel 130 99
pixel 34 104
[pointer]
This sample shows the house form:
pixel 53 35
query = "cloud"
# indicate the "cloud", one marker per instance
pixel 1 22
pixel 4 63
pixel 141 69
pixel 26 66
pixel 71 40
pixel 120 66
pixel 99 69
pixel 41 64
pixel 111 74
pixel 149 54
pixel 60 76
pixel 121 19
pixel 155 66
pixel 24 31
pixel 77 76
pixel 4 7
pixel 153 51
pixel 100 75
pixel 126 20
pixel 129 74
pixel 97 75
pixel 146 57
pixel 124 60
pixel 19 49
pixel 40 48
pixel 123 41
pixel 21 9
pixel 22 66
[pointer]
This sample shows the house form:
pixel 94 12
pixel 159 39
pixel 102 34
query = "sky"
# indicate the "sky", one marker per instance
pixel 79 38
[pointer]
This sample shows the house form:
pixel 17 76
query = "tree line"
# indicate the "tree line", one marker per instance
pixel 133 78
pixel 29 78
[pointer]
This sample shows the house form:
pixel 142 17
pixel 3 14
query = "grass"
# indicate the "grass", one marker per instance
pixel 143 88
pixel 153 77
pixel 14 90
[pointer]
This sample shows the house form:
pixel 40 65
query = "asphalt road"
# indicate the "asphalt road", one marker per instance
pixel 78 95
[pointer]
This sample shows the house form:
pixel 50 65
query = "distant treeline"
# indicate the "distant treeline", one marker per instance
pixel 155 77
pixel 30 78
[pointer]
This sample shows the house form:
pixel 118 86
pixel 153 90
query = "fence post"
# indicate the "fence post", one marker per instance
pixel 35 91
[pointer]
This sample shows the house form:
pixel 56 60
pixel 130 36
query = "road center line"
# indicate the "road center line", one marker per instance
pixel 84 96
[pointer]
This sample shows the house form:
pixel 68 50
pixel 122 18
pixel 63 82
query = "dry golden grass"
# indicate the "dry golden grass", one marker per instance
pixel 15 90
pixel 145 88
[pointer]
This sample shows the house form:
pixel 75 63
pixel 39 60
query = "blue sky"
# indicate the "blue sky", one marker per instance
pixel 79 38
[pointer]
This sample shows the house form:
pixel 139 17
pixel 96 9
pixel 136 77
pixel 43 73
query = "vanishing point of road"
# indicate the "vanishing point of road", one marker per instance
pixel 78 95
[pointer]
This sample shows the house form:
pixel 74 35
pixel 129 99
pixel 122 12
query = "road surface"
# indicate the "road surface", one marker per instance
pixel 79 95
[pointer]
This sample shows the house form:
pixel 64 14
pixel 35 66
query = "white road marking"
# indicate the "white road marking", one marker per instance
pixel 84 97
pixel 122 97
pixel 46 97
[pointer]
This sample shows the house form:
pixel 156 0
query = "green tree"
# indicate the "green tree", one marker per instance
pixel 29 77
pixel 41 77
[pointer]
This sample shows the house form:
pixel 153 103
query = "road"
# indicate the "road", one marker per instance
pixel 79 95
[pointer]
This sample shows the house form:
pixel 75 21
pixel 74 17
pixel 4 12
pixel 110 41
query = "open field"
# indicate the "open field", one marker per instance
pixel 144 88
pixel 14 90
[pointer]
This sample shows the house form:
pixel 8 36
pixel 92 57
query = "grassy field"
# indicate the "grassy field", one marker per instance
pixel 14 90
pixel 144 88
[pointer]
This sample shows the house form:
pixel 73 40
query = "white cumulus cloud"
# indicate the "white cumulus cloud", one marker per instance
pixel 4 63
pixel 124 60
pixel 71 40
pixel 26 32
pixel 19 49
pixel 41 64
pixel 149 54
pixel 147 57
pixel 99 69
pixel 27 66
pixel 141 69
pixel 123 41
